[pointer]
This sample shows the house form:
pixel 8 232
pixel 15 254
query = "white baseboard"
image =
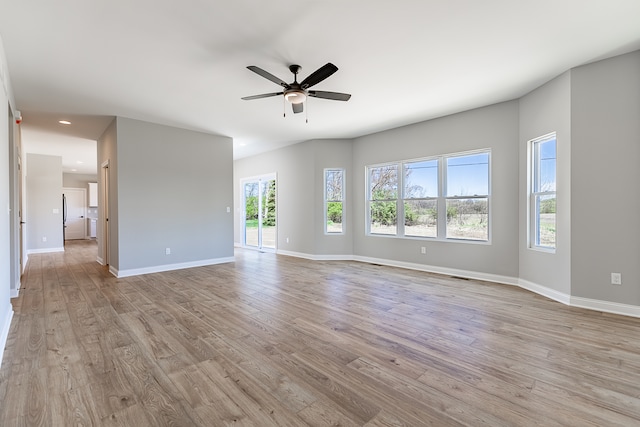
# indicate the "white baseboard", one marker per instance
pixel 546 292
pixel 316 257
pixel 298 255
pixel 44 251
pixel 4 331
pixel 408 265
pixel 168 267
pixel 561 297
pixel 334 258
pixel 496 278
pixel 100 260
pixel 606 306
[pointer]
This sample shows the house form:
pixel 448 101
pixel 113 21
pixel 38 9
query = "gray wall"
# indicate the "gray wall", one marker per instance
pixel 335 154
pixel 44 195
pixel 605 175
pixel 300 169
pixel 299 204
pixel 545 110
pixel 293 166
pixel 78 180
pixel 174 187
pixel 494 127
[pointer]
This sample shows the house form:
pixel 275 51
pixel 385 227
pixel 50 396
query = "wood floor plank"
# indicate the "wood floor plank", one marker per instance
pixel 270 340
pixel 153 388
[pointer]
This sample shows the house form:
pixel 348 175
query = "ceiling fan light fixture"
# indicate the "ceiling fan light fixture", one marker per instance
pixel 295 96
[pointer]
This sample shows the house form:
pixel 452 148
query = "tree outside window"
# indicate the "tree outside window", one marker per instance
pixel 543 193
pixel 334 200
pixel 383 196
pixel 443 197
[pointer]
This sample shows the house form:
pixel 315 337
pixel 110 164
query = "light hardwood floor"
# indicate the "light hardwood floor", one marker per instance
pixel 274 340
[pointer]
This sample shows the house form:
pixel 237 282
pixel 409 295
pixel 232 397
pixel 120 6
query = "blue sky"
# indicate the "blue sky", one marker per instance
pixel 466 175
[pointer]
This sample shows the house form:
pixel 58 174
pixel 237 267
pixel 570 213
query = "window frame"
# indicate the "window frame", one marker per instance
pixel 534 193
pixel 447 197
pixel 428 198
pixel 342 200
pixel 441 198
pixel 370 199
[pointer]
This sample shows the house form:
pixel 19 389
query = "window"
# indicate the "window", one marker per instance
pixel 382 199
pixel 542 202
pixel 334 201
pixel 421 198
pixel 444 197
pixel 467 201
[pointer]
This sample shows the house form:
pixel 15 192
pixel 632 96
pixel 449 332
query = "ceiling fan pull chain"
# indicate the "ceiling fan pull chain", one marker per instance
pixel 284 107
pixel 306 112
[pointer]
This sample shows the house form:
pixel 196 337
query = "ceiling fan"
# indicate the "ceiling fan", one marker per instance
pixel 296 93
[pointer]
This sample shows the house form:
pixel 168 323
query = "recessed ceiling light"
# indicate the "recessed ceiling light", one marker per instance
pixel 79 162
pixel 74 170
pixel 64 122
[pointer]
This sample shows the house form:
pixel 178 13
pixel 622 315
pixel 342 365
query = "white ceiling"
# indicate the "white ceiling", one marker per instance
pixel 184 63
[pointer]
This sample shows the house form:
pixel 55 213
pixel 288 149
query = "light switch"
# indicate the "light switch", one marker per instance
pixel 56 210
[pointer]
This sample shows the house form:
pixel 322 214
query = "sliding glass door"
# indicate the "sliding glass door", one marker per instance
pixel 259 196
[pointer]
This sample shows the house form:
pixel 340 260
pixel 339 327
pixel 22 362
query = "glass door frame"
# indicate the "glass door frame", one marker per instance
pixel 260 181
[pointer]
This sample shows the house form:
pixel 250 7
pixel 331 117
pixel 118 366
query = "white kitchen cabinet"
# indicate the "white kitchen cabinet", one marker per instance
pixel 93 222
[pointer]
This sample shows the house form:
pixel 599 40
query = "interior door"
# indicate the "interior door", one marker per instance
pixel 76 224
pixel 23 238
pixel 104 202
pixel 259 225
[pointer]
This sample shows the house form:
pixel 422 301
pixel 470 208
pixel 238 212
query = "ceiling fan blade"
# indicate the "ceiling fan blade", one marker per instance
pixel 319 75
pixel 264 95
pixel 267 75
pixel 336 96
pixel 297 108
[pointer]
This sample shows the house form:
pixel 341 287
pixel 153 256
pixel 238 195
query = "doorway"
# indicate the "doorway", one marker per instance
pixel 259 219
pixel 21 216
pixel 74 223
pixel 104 201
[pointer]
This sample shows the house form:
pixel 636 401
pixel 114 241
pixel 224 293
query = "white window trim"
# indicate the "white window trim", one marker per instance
pixel 444 197
pixel 531 205
pixel 441 199
pixel 437 198
pixel 325 201
pixel 368 200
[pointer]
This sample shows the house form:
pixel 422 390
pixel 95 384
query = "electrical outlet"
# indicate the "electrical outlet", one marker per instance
pixel 423 250
pixel 44 239
pixel 167 251
pixel 287 240
pixel 616 279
